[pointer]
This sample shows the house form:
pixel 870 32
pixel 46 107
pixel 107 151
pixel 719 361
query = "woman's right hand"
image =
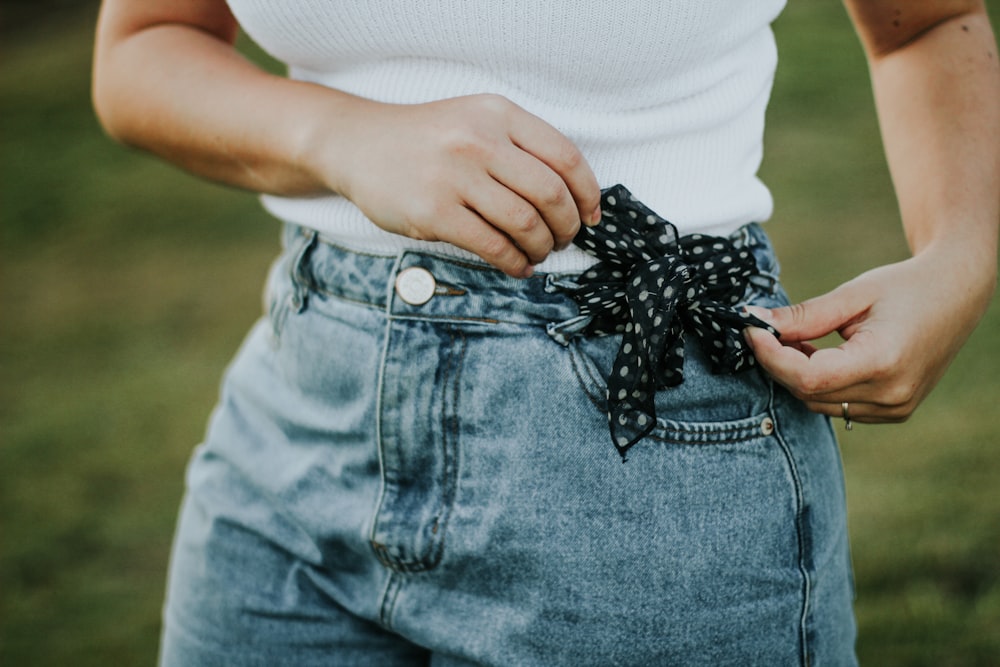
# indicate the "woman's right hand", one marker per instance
pixel 478 172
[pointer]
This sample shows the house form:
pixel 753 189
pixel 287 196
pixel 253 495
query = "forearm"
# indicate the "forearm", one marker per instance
pixel 188 96
pixel 938 100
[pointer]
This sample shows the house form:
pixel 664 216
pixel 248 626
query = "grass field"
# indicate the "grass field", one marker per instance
pixel 126 285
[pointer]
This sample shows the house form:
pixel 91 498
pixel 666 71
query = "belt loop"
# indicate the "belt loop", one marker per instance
pixel 563 332
pixel 300 273
pixel 555 282
pixel 744 237
pixel 398 264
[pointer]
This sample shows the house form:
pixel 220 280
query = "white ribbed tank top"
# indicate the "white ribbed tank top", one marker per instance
pixel 666 97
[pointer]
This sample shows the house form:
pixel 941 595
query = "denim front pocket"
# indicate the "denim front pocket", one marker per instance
pixel 706 407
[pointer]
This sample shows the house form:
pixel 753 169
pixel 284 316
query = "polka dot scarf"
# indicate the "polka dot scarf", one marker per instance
pixel 652 287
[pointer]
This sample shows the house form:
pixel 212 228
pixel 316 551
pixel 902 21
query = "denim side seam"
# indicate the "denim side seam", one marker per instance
pixel 801 530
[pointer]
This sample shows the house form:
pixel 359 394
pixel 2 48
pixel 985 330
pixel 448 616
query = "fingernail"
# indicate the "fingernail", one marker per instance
pixel 747 337
pixel 528 272
pixel 760 313
pixel 594 218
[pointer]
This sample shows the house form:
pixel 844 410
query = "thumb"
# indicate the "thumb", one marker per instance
pixel 816 317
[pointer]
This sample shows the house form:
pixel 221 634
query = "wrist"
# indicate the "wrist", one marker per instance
pixel 328 137
pixel 968 262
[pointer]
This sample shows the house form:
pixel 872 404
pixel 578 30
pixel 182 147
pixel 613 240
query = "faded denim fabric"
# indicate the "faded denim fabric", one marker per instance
pixel 391 484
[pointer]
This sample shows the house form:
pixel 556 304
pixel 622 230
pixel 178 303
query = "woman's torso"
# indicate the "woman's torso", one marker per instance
pixel 665 97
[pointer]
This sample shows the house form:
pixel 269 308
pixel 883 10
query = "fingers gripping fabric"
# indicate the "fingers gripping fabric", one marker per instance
pixel 653 286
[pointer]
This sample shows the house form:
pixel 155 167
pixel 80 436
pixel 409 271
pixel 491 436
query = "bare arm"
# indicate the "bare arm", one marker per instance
pixel 478 172
pixel 937 87
pixel 936 78
pixel 166 79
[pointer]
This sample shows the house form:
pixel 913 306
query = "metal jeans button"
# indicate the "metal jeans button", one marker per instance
pixel 767 426
pixel 415 285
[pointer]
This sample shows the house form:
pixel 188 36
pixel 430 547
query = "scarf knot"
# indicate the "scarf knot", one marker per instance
pixel 653 286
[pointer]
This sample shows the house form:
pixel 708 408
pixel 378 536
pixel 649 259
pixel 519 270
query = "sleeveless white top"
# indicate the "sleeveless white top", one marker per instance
pixel 666 97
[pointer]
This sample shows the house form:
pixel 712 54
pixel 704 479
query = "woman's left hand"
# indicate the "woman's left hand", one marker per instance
pixel 902 325
pixel 936 81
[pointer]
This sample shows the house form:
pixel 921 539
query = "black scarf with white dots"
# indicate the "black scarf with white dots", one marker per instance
pixel 653 286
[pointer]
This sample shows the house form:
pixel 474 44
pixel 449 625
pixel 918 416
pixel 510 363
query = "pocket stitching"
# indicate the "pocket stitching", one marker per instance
pixel 668 431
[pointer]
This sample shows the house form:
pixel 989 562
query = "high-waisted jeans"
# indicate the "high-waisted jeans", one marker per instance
pixel 389 483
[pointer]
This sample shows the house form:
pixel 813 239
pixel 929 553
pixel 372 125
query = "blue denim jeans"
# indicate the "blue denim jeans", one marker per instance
pixel 385 483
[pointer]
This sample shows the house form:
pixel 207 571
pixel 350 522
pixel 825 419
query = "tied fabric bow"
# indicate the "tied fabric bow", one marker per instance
pixel 652 286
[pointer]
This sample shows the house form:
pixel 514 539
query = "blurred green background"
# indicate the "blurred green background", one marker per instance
pixel 126 285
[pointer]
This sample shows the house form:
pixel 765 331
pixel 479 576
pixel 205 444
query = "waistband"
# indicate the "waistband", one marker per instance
pixel 423 285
